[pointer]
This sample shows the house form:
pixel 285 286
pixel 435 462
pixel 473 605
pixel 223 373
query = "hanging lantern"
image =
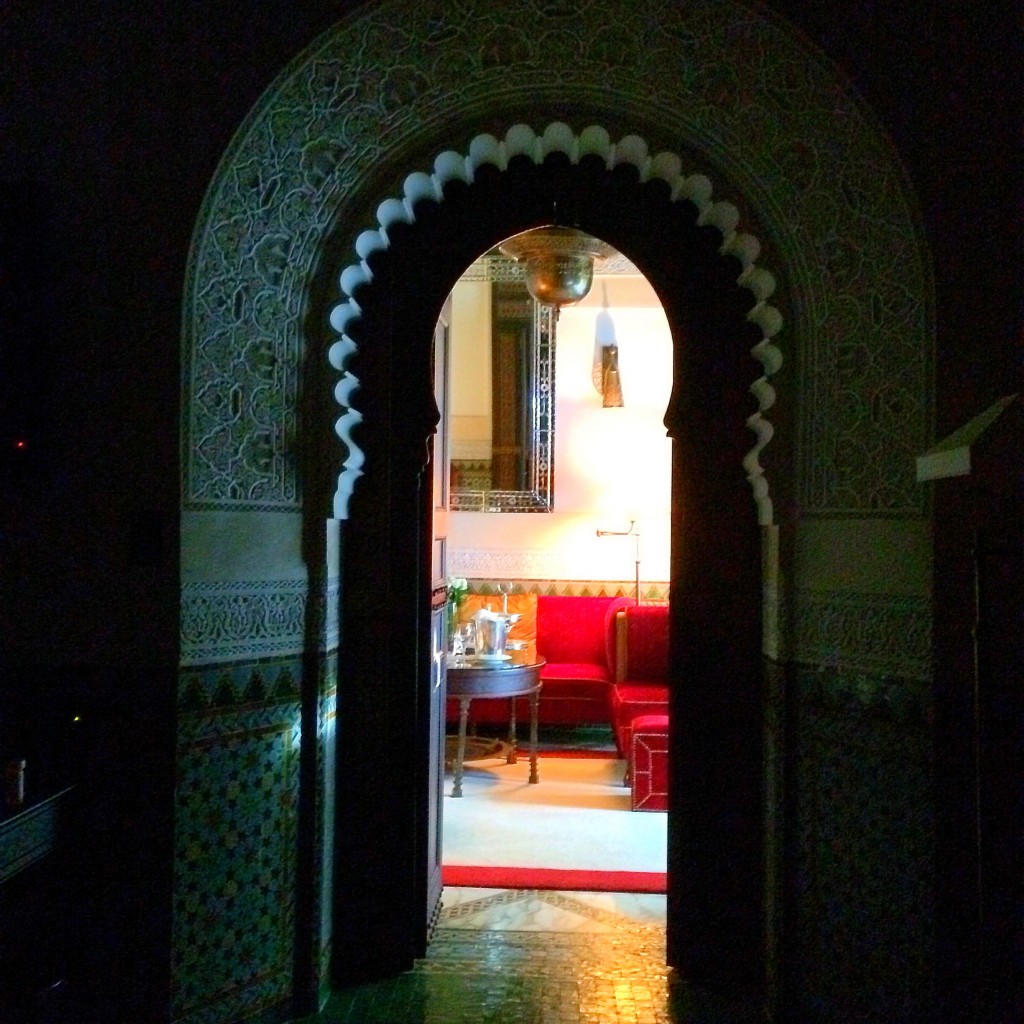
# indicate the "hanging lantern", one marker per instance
pixel 558 262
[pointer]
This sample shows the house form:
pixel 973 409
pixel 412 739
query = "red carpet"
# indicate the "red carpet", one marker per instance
pixel 552 878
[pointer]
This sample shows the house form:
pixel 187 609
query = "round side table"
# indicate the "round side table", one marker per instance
pixel 476 679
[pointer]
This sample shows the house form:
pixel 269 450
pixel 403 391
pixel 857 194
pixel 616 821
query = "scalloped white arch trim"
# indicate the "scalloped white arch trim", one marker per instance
pixel 521 140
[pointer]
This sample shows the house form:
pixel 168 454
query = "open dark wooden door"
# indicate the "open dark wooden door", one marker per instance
pixel 438 623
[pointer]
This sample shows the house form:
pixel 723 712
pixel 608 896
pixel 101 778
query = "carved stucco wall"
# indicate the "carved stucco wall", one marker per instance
pixel 731 83
pixel 766 118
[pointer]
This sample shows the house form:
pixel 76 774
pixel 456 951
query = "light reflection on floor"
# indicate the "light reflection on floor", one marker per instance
pixel 538 957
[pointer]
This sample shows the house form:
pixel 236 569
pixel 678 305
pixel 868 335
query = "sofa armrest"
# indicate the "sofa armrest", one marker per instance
pixel 640 635
pixel 617 654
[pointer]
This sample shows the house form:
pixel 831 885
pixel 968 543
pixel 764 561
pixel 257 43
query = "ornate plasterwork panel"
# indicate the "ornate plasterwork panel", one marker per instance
pixel 231 621
pixel 876 635
pixel 728 81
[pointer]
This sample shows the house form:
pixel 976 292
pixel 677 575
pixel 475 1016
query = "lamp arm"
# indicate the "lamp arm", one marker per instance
pixel 631 532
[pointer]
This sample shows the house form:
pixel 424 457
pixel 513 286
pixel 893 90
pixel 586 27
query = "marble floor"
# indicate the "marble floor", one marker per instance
pixel 539 957
pixel 529 956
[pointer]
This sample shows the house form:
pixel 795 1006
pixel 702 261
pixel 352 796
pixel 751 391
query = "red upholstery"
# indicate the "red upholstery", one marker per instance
pixel 571 637
pixel 646 643
pixel 571 629
pixel 570 670
pixel 630 701
pixel 641 679
pixel 577 676
pixel 649 763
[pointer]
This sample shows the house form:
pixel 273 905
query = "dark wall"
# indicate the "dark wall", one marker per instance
pixel 116 117
pixel 942 79
pixel 113 118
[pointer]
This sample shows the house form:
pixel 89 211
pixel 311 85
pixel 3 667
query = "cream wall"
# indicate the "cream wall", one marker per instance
pixel 611 465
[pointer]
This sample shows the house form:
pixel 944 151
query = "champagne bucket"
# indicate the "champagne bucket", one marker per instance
pixel 492 632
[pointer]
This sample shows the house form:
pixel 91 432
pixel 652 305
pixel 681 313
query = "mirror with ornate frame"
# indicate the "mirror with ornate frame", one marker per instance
pixel 502 392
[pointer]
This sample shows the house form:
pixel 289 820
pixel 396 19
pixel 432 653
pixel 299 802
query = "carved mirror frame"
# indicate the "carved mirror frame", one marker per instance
pixel 537 412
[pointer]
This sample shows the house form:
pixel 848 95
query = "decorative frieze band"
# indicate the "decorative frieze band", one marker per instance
pixel 649 591
pixel 876 634
pixel 225 621
pixel 519 563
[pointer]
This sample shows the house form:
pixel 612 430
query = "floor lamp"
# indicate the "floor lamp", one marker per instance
pixel 631 532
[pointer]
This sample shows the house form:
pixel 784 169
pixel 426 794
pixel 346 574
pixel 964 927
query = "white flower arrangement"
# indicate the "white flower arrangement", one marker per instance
pixel 458 588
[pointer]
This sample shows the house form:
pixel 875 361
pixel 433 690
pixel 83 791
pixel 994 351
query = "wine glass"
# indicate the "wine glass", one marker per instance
pixel 505 588
pixel 460 641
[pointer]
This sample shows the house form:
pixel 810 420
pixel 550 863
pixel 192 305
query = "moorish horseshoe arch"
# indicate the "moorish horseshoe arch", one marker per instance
pixel 398 294
pixel 728 82
pixel 594 142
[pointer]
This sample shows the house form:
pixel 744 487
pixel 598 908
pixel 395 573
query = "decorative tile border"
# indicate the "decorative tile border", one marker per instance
pixel 236 687
pixel 571 588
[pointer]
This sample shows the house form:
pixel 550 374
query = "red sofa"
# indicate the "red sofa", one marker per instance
pixel 640 684
pixel 639 701
pixel 573 635
pixel 607 662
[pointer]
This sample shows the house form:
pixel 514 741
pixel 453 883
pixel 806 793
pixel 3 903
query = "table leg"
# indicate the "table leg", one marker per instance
pixel 461 751
pixel 534 702
pixel 511 757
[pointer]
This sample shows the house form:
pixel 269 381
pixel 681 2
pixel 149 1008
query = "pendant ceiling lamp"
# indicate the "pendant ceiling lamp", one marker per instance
pixel 558 261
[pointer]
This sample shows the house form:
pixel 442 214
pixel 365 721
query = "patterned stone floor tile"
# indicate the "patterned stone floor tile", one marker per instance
pixel 614 976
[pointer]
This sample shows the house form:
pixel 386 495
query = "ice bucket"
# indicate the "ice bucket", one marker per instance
pixel 492 632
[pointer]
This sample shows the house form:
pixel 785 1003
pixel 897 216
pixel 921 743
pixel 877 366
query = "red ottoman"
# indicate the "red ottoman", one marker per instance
pixel 648 780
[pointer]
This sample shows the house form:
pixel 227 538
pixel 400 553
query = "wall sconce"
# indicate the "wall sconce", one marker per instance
pixel 611 385
pixel 605 373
